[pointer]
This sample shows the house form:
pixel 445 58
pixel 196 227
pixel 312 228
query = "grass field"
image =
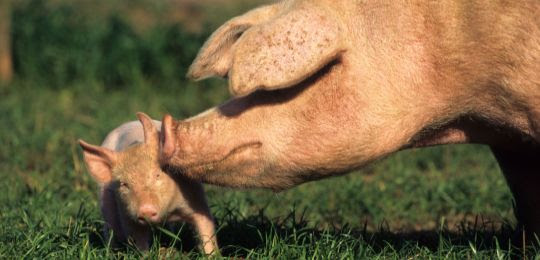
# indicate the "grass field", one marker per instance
pixel 443 202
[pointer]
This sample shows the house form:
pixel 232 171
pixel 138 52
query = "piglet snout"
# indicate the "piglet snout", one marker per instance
pixel 148 213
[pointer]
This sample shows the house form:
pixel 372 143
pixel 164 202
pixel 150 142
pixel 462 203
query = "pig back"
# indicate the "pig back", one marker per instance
pixel 125 135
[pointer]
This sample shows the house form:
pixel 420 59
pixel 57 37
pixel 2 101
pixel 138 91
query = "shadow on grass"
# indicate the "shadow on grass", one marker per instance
pixel 240 236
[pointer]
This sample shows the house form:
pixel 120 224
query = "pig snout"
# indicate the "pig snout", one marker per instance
pixel 147 213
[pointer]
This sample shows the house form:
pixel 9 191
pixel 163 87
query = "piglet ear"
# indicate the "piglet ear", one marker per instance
pixel 168 138
pixel 150 131
pixel 99 161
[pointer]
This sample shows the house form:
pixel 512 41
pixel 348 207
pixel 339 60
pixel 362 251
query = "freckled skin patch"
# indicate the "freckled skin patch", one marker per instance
pixel 283 52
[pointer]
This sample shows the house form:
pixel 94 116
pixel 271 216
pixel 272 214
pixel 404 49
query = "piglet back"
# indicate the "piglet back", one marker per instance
pixel 125 135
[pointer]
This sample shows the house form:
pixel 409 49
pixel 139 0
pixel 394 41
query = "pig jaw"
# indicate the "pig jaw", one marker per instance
pixel 209 148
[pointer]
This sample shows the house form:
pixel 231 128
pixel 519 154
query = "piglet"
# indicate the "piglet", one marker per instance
pixel 136 193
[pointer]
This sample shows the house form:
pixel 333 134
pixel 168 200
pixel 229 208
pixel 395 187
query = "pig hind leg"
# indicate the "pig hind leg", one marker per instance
pixel 521 167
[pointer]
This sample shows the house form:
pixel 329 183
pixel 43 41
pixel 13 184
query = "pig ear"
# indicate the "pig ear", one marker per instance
pixel 168 138
pixel 285 51
pixel 99 161
pixel 215 57
pixel 150 131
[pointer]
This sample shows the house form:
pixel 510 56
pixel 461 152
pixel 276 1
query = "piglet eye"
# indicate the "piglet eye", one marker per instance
pixel 123 184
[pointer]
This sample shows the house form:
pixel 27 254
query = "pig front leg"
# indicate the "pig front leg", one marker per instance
pixel 121 226
pixel 204 224
pixel 139 235
pixel 193 208
pixel 112 229
pixel 521 167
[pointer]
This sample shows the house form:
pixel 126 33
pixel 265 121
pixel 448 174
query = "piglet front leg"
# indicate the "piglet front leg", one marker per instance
pixel 204 224
pixel 112 229
pixel 139 235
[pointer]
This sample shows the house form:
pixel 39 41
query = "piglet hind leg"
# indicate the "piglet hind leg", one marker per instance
pixel 521 167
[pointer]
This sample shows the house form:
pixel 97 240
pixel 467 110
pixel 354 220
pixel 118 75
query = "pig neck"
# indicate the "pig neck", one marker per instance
pixel 486 61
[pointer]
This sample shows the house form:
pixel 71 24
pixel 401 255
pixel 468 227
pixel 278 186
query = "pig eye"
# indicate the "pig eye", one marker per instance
pixel 123 185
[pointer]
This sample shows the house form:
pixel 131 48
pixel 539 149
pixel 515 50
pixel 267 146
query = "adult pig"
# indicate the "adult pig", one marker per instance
pixel 323 87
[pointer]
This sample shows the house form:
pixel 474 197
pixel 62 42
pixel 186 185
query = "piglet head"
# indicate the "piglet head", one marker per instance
pixel 144 191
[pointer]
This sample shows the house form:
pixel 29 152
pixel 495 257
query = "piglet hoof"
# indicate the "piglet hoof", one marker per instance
pixel 168 253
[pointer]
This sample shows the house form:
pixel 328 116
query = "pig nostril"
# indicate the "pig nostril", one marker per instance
pixel 153 216
pixel 147 213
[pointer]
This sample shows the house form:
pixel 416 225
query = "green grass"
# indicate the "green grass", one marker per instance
pixel 437 202
pixel 78 78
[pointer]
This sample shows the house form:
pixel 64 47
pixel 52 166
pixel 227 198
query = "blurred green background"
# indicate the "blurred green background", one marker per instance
pixel 78 69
